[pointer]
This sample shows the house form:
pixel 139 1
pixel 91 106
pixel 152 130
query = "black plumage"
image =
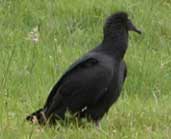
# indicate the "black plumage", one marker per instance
pixel 93 83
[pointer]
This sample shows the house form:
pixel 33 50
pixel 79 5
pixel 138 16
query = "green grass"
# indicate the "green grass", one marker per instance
pixel 67 30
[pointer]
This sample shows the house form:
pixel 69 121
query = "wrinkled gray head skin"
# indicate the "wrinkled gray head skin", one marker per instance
pixel 119 22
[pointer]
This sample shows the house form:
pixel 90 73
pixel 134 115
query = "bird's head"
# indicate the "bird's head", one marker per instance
pixel 119 22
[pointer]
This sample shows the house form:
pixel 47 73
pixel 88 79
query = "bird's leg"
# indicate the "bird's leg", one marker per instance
pixel 97 123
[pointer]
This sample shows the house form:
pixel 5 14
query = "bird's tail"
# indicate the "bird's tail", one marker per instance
pixel 37 117
pixel 50 112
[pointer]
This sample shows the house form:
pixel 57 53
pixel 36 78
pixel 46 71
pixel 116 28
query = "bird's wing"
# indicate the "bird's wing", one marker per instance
pixel 69 71
pixel 85 82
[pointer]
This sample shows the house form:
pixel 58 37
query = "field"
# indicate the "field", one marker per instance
pixel 40 39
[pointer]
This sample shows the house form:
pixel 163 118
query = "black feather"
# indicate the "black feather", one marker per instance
pixel 94 82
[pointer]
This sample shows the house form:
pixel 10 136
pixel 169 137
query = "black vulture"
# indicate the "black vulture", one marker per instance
pixel 93 83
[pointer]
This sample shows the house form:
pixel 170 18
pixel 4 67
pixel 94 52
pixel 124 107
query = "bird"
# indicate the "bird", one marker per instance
pixel 93 83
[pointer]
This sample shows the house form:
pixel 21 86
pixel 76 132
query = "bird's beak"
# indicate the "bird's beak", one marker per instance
pixel 131 27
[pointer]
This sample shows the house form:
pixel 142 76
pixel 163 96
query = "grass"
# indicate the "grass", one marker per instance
pixel 68 29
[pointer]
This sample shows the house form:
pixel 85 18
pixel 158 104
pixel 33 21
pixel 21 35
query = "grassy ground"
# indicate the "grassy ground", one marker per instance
pixel 66 30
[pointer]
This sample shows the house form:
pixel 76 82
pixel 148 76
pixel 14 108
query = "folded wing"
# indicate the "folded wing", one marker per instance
pixel 82 85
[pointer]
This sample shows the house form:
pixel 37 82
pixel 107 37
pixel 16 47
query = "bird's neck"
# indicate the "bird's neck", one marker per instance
pixel 116 44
